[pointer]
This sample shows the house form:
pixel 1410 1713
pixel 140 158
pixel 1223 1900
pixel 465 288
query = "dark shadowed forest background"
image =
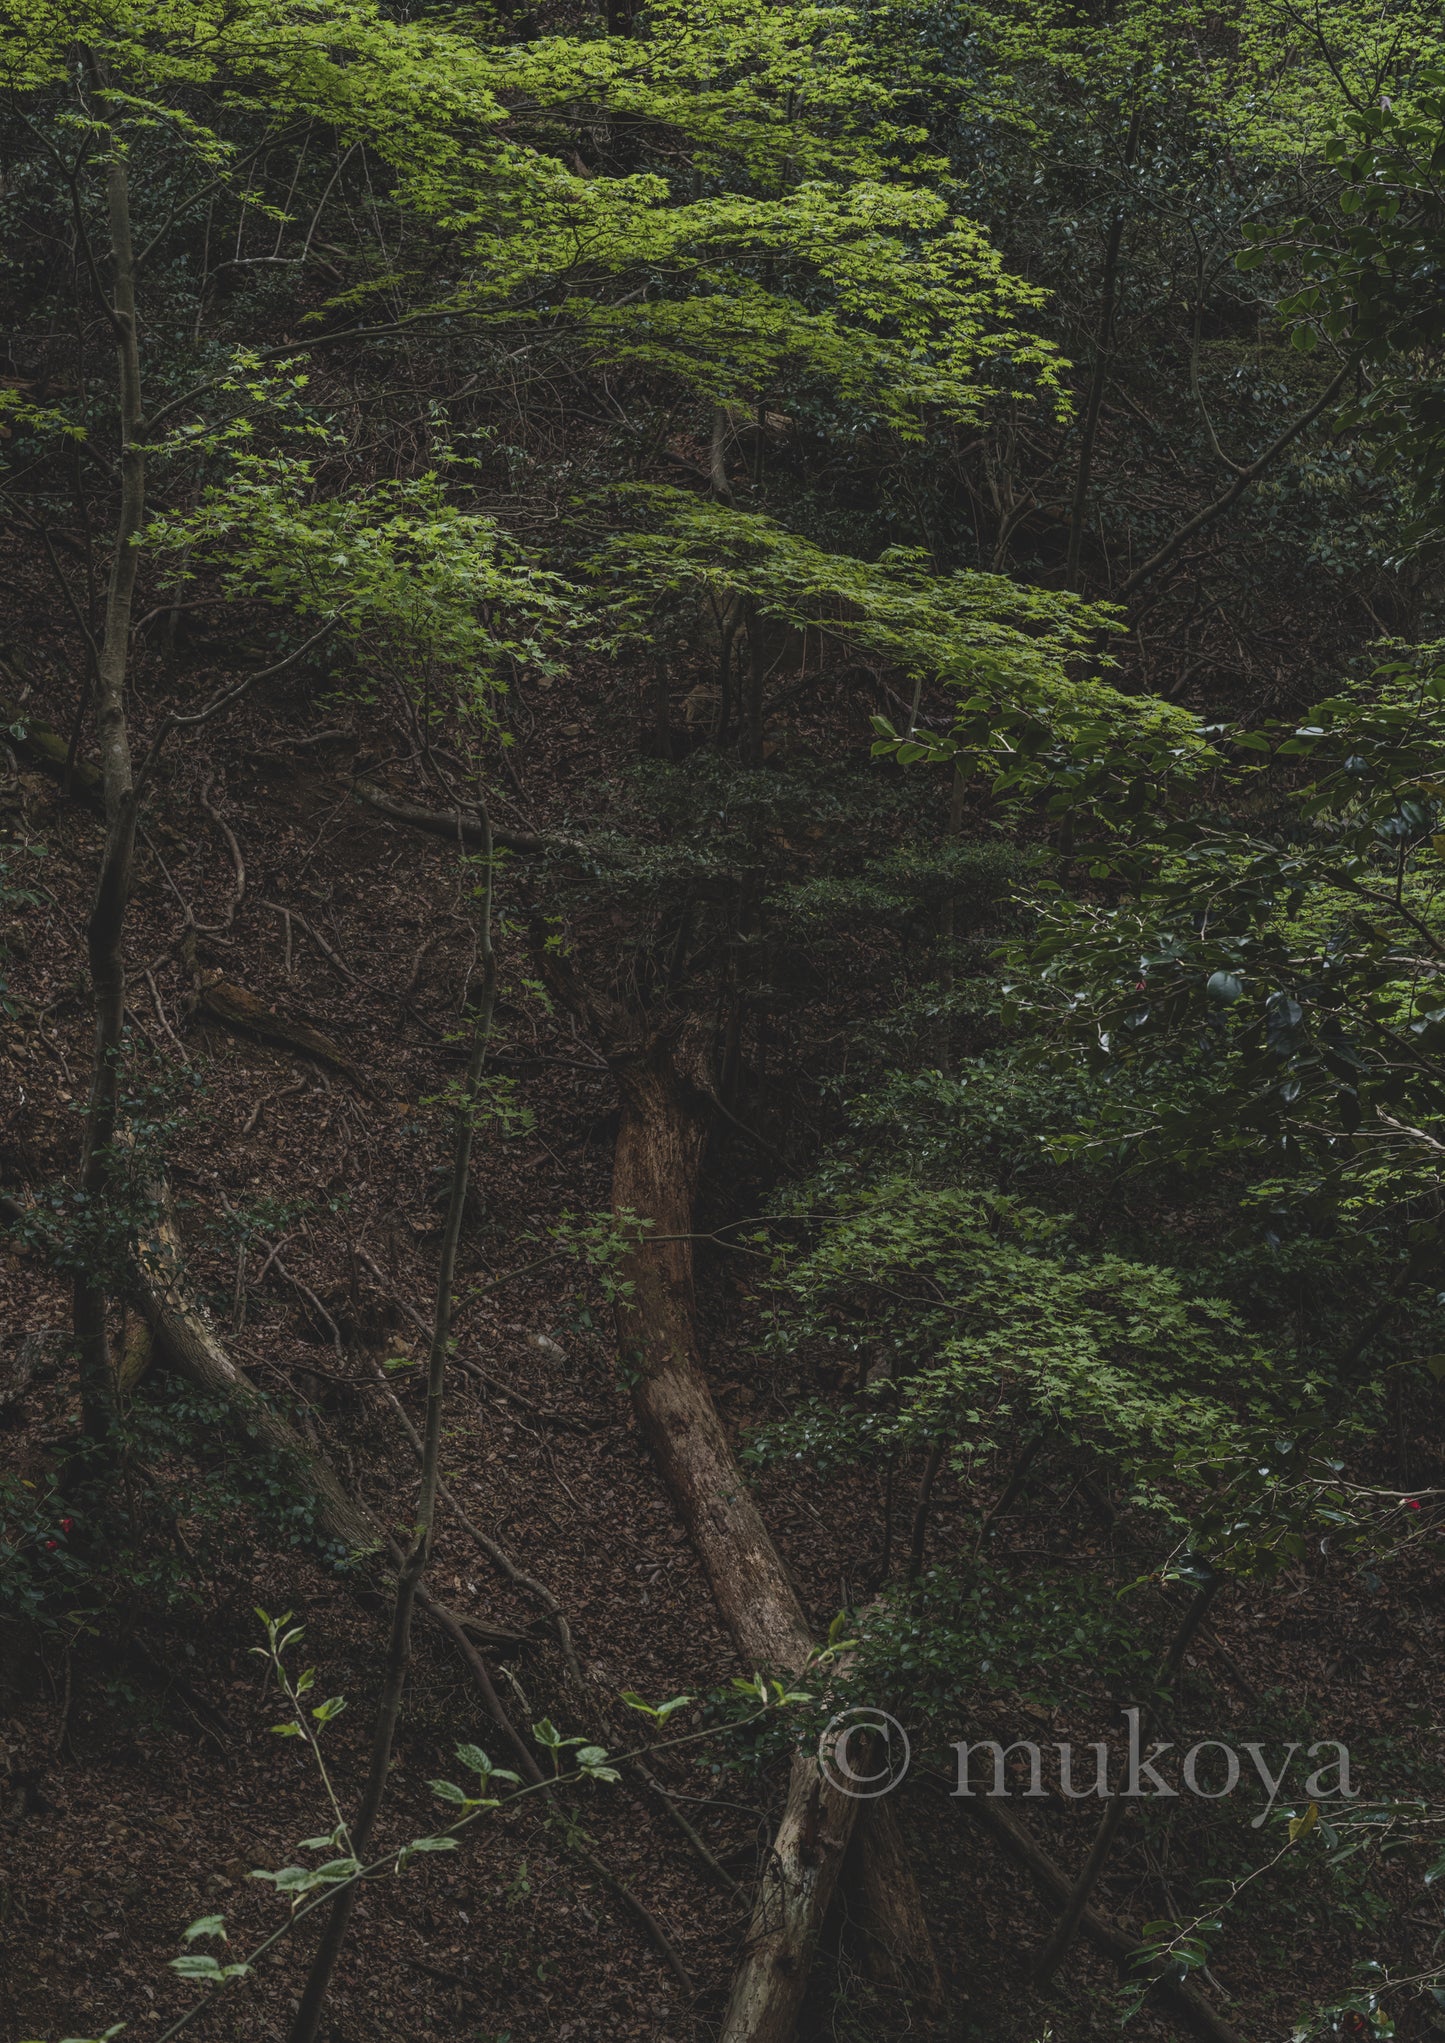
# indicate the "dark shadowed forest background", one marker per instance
pixel 722 993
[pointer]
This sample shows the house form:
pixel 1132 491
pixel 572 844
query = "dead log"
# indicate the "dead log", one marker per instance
pixel 241 1012
pixel 185 1339
pixel 175 1332
pixel 458 826
pixel 45 746
pixel 664 1080
pixel 188 1342
pixel 658 1155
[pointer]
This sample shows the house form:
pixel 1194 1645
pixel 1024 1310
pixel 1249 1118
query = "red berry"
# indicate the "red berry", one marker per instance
pixel 51 1544
pixel 1413 1504
pixel 66 1524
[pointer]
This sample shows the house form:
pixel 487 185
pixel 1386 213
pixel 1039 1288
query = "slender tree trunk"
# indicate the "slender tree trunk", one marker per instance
pixel 1103 350
pixel 1054 1885
pixel 1227 498
pixel 106 927
pixel 717 456
pixel 1011 1488
pixel 919 1536
pixel 752 707
pixel 661 709
pixel 948 924
pixel 1066 1928
pixel 409 1579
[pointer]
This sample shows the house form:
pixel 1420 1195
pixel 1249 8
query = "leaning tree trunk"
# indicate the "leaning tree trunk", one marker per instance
pixel 658 1156
pixel 191 1346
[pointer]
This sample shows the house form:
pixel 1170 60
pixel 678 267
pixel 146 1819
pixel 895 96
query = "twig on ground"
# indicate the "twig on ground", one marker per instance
pixel 294 915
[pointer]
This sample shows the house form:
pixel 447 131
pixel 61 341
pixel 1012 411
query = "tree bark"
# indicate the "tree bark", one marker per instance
pixel 106 926
pixel 754 719
pixel 885 1910
pixel 658 1157
pixel 1103 353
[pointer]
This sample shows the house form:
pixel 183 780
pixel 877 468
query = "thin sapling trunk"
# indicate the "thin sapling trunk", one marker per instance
pixel 1066 1928
pixel 106 927
pixel 1103 351
pixel 409 1579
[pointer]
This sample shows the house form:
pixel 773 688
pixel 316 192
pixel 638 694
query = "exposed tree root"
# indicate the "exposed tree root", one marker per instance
pixel 696 1842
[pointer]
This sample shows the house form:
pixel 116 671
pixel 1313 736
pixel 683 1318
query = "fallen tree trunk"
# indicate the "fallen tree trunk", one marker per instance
pixel 46 746
pixel 243 1014
pixel 175 1331
pixel 656 1165
pixel 185 1339
pixel 457 826
pixel 190 1345
pixel 656 1162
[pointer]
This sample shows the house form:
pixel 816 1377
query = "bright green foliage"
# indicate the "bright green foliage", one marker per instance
pixel 989 1322
pixel 874 287
pixel 436 596
pixel 888 297
pixel 419 94
pixel 1272 80
pixel 773 94
pixel 1012 642
pixel 797 250
pixel 1084 744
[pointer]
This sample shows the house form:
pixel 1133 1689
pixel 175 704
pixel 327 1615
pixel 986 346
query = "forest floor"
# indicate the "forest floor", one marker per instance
pixel 144 1782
